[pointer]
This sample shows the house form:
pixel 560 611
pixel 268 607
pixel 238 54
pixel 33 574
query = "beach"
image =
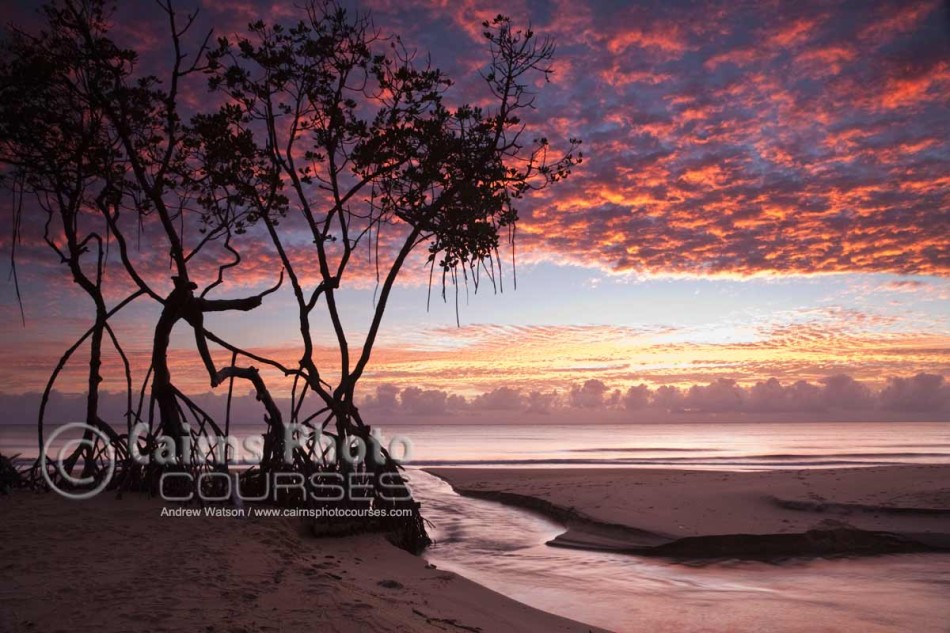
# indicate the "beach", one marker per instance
pixel 720 514
pixel 114 565
pixel 110 564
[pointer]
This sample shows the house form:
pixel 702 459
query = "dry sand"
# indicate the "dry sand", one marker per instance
pixel 696 514
pixel 116 565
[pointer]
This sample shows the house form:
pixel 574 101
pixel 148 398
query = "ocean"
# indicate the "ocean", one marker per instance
pixel 720 445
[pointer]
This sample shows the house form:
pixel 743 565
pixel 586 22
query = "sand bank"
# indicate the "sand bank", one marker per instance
pixel 119 565
pixel 712 514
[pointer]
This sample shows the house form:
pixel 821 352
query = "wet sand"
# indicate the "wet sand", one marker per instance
pixel 117 565
pixel 713 514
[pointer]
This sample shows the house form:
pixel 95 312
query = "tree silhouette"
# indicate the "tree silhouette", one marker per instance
pixel 324 124
pixel 58 151
pixel 92 142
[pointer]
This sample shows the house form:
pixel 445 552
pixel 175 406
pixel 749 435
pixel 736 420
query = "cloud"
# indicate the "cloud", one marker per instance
pixel 921 396
pixel 667 398
pixel 730 139
pixel 771 395
pixel 833 394
pixel 843 391
pixel 500 399
pixel 418 401
pixel 541 402
pixel 923 392
pixel 720 395
pixel 414 401
pixel 792 143
pixel 773 139
pixel 636 397
pixel 589 395
pixel 386 398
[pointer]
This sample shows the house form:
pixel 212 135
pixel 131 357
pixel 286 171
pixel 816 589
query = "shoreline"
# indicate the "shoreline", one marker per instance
pixel 758 526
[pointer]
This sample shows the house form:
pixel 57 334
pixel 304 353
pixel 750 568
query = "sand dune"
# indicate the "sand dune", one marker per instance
pixel 703 514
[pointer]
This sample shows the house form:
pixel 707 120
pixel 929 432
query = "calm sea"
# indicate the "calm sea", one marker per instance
pixel 730 446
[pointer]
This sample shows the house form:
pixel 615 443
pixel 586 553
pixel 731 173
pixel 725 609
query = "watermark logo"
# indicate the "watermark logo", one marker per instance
pixel 327 486
pixel 67 448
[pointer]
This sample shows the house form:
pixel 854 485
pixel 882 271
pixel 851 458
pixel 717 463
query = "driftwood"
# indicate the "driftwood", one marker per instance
pixel 11 477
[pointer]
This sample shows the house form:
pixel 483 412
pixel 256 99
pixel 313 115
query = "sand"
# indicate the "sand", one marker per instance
pixel 117 565
pixel 698 514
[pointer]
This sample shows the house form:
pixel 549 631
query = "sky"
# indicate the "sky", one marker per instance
pixel 765 195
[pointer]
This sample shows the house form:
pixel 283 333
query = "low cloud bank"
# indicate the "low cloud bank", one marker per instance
pixel 921 393
pixel 921 397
